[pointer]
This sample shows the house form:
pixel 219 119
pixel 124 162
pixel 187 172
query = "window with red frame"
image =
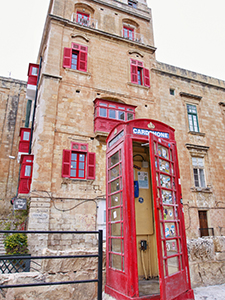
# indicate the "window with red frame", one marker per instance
pixel 128 33
pixel 82 18
pixel 113 110
pixel 78 163
pixel 75 57
pixel 139 74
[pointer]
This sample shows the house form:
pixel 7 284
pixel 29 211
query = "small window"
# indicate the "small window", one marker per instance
pixel 112 114
pixel 78 163
pixel 172 92
pixel 128 33
pixel 26 136
pixel 82 18
pixel 102 112
pixel 139 74
pixel 132 4
pixel 192 118
pixel 198 171
pixel 34 71
pixel 76 57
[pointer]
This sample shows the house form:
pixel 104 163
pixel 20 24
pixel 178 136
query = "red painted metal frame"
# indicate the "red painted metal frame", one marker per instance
pixel 119 284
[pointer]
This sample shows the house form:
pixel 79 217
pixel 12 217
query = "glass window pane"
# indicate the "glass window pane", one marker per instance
pixel 115 214
pixel 102 112
pixel 73 173
pixel 171 247
pixel 116 261
pixel 116 229
pixel 115 199
pixel 81 173
pixel 115 186
pixel 130 116
pixel 170 230
pixel 114 159
pixel 194 161
pixel 112 114
pixel 26 136
pixel 173 265
pixel 27 171
pixel 164 166
pixel 103 104
pixel 163 152
pixel 121 115
pixel 191 127
pixel 200 162
pixel 81 165
pixel 73 164
pixel 34 71
pixel 202 177
pixel 196 179
pixel 114 172
pixel 165 181
pixel 116 245
pixel 168 213
pixel 73 156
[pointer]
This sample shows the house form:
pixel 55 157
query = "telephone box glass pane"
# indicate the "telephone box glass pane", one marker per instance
pixel 114 159
pixel 115 199
pixel 170 230
pixel 115 214
pixel 114 172
pixel 163 152
pixel 116 261
pixel 116 245
pixel 116 229
pixel 171 247
pixel 168 213
pixel 173 265
pixel 165 181
pixel 166 197
pixel 164 166
pixel 115 185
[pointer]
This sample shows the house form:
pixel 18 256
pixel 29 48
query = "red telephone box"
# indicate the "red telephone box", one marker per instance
pixel 146 243
pixel 26 173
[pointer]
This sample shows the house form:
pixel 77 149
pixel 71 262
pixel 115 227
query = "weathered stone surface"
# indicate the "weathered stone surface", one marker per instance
pixel 219 243
pixel 201 249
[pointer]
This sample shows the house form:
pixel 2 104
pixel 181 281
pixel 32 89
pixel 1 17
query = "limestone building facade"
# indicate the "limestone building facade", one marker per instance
pixel 13 104
pixel 98 68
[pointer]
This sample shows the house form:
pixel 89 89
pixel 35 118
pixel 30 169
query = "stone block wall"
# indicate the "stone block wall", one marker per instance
pixel 207 261
pixel 57 270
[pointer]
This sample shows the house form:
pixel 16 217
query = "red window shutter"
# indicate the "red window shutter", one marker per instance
pixel 146 77
pixel 67 58
pixel 134 68
pixel 66 163
pixel 91 166
pixel 83 59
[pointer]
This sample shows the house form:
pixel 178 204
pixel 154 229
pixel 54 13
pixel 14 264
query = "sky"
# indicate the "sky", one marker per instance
pixel 188 34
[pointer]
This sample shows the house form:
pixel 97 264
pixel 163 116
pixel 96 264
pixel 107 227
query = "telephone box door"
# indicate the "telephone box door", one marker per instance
pixel 169 219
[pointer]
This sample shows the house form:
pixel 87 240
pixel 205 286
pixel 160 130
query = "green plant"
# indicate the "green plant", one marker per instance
pixel 16 243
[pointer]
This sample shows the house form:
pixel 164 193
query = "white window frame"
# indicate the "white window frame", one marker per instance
pixel 199 172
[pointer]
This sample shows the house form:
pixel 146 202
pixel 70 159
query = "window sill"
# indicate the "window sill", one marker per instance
pixel 139 86
pixel 201 190
pixel 67 180
pixel 196 133
pixel 78 71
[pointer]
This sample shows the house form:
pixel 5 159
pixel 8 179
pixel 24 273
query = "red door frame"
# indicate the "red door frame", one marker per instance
pixel 119 284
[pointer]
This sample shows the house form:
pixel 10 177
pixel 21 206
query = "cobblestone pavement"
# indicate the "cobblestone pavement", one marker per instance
pixel 214 292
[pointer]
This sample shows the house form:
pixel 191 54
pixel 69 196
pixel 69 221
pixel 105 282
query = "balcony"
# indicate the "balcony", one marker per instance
pixel 136 37
pixel 92 23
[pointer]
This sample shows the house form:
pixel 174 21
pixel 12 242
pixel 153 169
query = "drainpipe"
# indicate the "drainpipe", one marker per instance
pixel 34 110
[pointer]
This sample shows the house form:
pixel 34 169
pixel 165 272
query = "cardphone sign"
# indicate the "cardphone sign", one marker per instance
pixel 20 204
